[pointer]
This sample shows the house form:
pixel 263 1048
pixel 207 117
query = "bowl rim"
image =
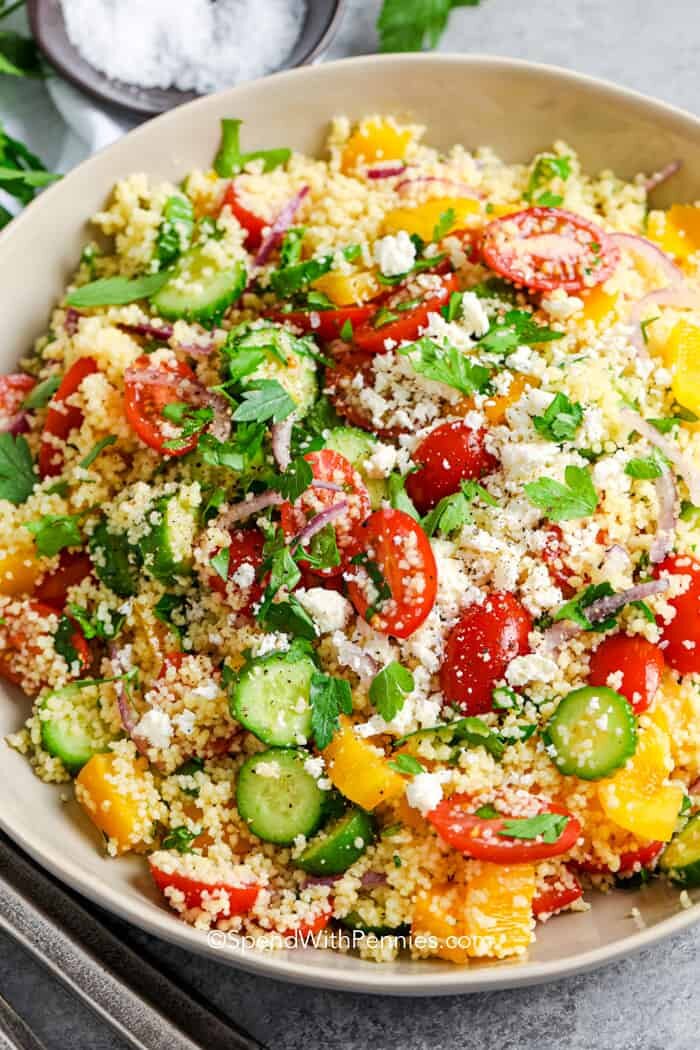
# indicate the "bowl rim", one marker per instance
pixel 449 980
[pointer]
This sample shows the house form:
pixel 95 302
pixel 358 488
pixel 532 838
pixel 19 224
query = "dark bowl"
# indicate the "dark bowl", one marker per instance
pixel 49 31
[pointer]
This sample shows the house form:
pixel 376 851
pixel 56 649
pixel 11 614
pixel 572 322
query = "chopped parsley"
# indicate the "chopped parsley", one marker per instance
pixel 175 230
pixel 180 839
pixel 170 610
pixel 17 476
pixel 347 332
pixel 191 421
pixel 576 498
pixel 220 562
pixel 389 689
pixel 575 608
pixel 516 328
pixel 398 497
pixel 452 512
pixel 547 826
pixel 408 25
pixel 452 309
pixel 42 393
pixel 444 224
pixel 263 400
pixel 546 167
pixel 447 365
pixel 561 419
pixel 407 765
pixel 96 449
pixel 382 588
pixel 53 532
pixel 330 697
pixel 294 480
pixel 291 617
pixel 651 466
pixel 93 626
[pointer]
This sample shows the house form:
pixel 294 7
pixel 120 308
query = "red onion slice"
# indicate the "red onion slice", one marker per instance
pixel 389 172
pixel 373 878
pixel 244 509
pixel 149 331
pixel 16 424
pixel 193 392
pixel 330 486
pixel 671 296
pixel 281 435
pixel 604 607
pixel 72 320
pixel 126 710
pixel 683 467
pixel 558 634
pixel 319 522
pixel 280 226
pixel 461 187
pixel 667 498
pixel 649 253
pixel 662 175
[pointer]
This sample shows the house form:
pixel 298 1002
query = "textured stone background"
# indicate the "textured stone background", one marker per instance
pixel 648 1002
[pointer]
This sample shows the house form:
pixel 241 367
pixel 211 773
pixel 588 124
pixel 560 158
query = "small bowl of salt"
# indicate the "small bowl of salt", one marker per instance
pixel 149 57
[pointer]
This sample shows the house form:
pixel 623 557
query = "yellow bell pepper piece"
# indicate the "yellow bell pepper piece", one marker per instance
pixel 375 140
pixel 438 919
pixel 111 797
pixel 423 219
pixel 497 211
pixel 18 573
pixel 637 798
pixel 597 304
pixel 348 289
pixel 677 231
pixel 498 909
pixel 682 355
pixel 359 772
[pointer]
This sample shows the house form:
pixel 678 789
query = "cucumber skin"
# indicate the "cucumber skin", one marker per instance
pixel 569 768
pixel 74 753
pixel 118 572
pixel 248 786
pixel 355 445
pixel 174 305
pixel 686 874
pixel 334 849
pixel 273 735
pixel 352 921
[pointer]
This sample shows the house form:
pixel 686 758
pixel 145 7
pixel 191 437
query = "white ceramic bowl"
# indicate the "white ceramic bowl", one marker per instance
pixel 517 108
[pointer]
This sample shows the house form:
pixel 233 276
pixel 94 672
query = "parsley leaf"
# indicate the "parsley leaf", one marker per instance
pixel 290 279
pixel 53 532
pixel 452 512
pixel 17 477
pixel 242 452
pixel 548 826
pixel 577 498
pixel 176 228
pixel 295 479
pixel 398 497
pixel 322 552
pixel 42 393
pixel 452 310
pixel 191 420
pixel 561 419
pixel 444 224
pixel 382 589
pixel 264 399
pixel 117 291
pixel 487 813
pixel 389 689
pixel 97 627
pixel 447 365
pixel 290 249
pixel 516 328
pixel 63 641
pixel 291 617
pixel 98 447
pixel 170 610
pixel 575 608
pixel 220 562
pixel 180 839
pixel 652 466
pixel 229 160
pixel 330 697
pixel 407 764
pixel 406 25
pixel 347 332
pixel 547 166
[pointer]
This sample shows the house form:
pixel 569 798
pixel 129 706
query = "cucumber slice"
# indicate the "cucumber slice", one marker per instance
pixel 199 290
pixel 592 733
pixel 68 728
pixel 166 548
pixel 339 845
pixel 354 921
pixel 294 371
pixel 467 732
pixel 681 858
pixel 115 561
pixel 271 698
pixel 356 446
pixel 277 798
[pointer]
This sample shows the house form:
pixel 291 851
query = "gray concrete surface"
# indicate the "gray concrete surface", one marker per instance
pixel 648 1002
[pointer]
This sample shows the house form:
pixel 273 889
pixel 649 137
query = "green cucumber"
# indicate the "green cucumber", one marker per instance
pixel 339 844
pixel 356 445
pixel 277 798
pixel 680 861
pixel 295 372
pixel 115 561
pixel 271 698
pixel 166 549
pixel 467 732
pixel 68 728
pixel 592 733
pixel 199 290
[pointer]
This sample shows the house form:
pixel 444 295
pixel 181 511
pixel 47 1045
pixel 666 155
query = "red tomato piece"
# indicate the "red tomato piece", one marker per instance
pixel 479 648
pixel 631 861
pixel 309 929
pixel 450 453
pixel 329 468
pixel 72 568
pixel 641 665
pixel 481 838
pixel 547 248
pixel 557 896
pixel 147 391
pixel 240 898
pixel 554 556
pixel 395 582
pixel 171 659
pixel 13 390
pixel 408 323
pixel 62 418
pixel 680 639
pixel 252 223
pixel 246 550
pixel 325 324
pixel 342 391
pixel 18 648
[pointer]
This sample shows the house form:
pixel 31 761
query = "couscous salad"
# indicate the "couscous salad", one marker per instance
pixel 348 523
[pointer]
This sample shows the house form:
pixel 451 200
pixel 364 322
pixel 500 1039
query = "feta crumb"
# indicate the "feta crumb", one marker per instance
pixel 329 610
pixel 185 722
pixel 531 668
pixel 474 315
pixel 155 727
pixel 424 792
pixel 395 254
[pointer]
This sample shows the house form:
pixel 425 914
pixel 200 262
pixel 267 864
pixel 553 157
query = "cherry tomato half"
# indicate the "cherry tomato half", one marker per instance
pixel 557 896
pixel 407 323
pixel 450 453
pixel 479 648
pixel 309 929
pixel 548 248
pixel 343 392
pixel 19 649
pixel 641 665
pixel 680 639
pixel 325 324
pixel 394 583
pixel 73 567
pixel 338 481
pixel 554 555
pixel 631 861
pixel 240 898
pixel 481 838
pixel 244 561
pixel 13 390
pixel 147 391
pixel 252 223
pixel 62 418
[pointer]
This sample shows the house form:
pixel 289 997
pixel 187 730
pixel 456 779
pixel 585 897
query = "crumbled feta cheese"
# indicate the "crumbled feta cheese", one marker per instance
pixel 381 462
pixel 474 315
pixel 531 668
pixel 156 728
pixel 329 610
pixel 395 253
pixel 185 722
pixel 561 306
pixel 424 792
pixel 244 576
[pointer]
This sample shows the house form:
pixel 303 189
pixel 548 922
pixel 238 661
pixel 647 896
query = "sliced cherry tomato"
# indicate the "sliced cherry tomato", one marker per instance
pixel 557 896
pixel 394 583
pixel 252 223
pixel 13 390
pixel 479 648
pixel 450 453
pixel 18 647
pixel 73 567
pixel 325 324
pixel 147 391
pixel 554 556
pixel 548 248
pixel 481 838
pixel 342 379
pixel 172 659
pixel 630 862
pixel 329 468
pixel 244 561
pixel 309 929
pixel 640 663
pixel 680 639
pixel 240 898
pixel 62 418
pixel 408 323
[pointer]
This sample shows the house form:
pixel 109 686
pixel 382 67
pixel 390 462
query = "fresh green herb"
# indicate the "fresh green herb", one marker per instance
pixel 330 697
pixel 42 393
pixel 645 328
pixel 444 224
pixel 241 453
pixel 505 699
pixel 495 288
pixel 427 262
pixel 98 447
pixel 214 497
pixel 230 161
pixel 452 512
pixel 410 25
pixel 283 570
pixel 290 249
pixel 407 765
pixel 17 477
pixel 88 256
pixel 20 162
pixel 689 512
pixel 549 200
pixel 644 610
pixel 53 532
pixel 389 689
pixel 383 317
pixel 408 304
pixel 453 308
pixel 263 400
pixel 176 229
pixel 547 166
pixel 665 426
pixel 577 498
pixel 575 608
pixel 291 617
pixel 516 734
pixel 33 179
pixel 447 365
pixel 294 480
pixel 117 291
pixel 192 421
pixel 390 830
pixel 181 839
pixel 94 626
pixel 170 610
pixel 487 813
pixel 322 552
pixel 220 562
pixel 516 328
pixel 652 466
pixel 346 332
pixel 316 300
pixel 561 419
pixel 381 587
pixel 321 417
pixel 547 826
pixel 63 641
pixel 398 497
pixel 295 278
